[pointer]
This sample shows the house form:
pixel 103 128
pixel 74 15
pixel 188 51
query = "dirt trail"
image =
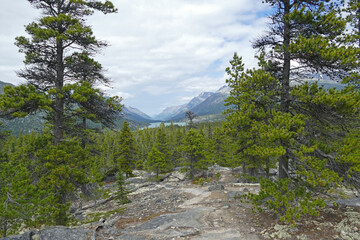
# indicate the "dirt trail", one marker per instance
pixel 182 210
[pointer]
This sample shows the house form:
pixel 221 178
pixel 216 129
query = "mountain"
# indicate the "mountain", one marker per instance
pixel 2 85
pixel 213 104
pixel 135 114
pixel 197 100
pixel 205 104
pixel 169 112
pixel 34 122
pixel 175 111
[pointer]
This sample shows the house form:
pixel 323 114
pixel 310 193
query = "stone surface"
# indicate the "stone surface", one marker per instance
pixel 177 209
pixel 55 233
pixel 25 236
pixel 354 202
pixel 217 187
pixel 234 194
pixel 61 233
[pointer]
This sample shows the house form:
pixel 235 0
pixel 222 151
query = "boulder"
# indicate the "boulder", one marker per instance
pixel 176 177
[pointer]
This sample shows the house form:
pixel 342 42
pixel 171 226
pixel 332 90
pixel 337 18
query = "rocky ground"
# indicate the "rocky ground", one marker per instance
pixel 178 209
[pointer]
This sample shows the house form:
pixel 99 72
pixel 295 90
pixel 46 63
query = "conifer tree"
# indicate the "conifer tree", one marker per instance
pixel 122 192
pixel 279 123
pixel 176 154
pixel 18 197
pixel 219 147
pixel 126 155
pixel 162 146
pixel 308 33
pixel 194 152
pixel 53 73
pixel 190 116
pixel 156 162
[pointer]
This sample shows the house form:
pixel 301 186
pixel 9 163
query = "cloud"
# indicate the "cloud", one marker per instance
pixel 160 50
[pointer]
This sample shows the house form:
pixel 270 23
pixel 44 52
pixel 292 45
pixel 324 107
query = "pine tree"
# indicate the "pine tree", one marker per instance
pixel 194 152
pixel 156 162
pixel 122 191
pixel 126 155
pixel 279 123
pixel 305 32
pixel 17 197
pixel 60 170
pixel 162 146
pixel 190 116
pixel 353 17
pixel 176 154
pixel 57 41
pixel 219 147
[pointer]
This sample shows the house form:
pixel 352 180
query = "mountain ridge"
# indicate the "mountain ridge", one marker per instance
pixel 206 103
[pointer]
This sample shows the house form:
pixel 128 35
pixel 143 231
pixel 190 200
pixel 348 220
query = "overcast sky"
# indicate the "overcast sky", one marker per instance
pixel 162 52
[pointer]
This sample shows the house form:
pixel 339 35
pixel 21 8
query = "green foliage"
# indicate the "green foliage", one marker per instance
pixel 194 152
pixel 17 197
pixel 61 169
pixel 201 181
pixel 126 155
pixel 300 128
pixel 156 162
pixel 162 146
pixel 254 123
pixel 122 191
pixel 60 81
pixel 285 200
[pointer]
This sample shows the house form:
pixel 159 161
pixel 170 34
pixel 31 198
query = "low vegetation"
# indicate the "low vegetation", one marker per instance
pixel 309 134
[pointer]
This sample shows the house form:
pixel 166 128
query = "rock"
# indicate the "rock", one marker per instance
pixel 61 233
pixel 26 236
pixel 237 170
pixel 216 187
pixel 226 206
pixel 222 235
pixel 219 168
pixel 137 180
pixel 176 177
pixel 169 225
pixel 55 233
pixel 281 232
pixel 235 194
pixel 353 202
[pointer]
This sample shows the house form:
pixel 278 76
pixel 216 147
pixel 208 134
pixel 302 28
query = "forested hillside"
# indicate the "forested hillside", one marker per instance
pixel 300 142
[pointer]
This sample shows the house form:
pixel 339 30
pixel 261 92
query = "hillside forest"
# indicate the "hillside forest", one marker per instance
pixel 299 141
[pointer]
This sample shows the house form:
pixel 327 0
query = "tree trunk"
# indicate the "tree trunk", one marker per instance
pixel 285 84
pixel 5 227
pixel 358 13
pixel 83 141
pixel 59 102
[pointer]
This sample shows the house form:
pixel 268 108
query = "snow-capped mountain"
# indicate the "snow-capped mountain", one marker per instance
pixel 204 104
pixel 174 111
pixel 135 114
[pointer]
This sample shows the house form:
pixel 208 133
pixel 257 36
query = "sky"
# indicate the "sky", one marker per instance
pixel 161 53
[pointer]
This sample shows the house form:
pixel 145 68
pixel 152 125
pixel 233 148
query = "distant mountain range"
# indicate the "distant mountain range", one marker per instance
pixel 135 114
pixel 205 104
pixel 35 122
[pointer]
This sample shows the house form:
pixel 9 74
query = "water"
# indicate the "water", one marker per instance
pixel 157 124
